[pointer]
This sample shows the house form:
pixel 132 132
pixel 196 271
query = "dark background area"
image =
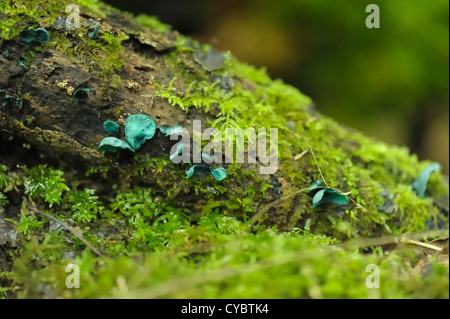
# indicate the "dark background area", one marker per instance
pixel 390 83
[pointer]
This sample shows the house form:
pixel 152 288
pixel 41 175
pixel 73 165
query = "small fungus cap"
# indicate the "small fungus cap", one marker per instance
pixel 40 35
pixel 80 93
pixel 168 130
pixel 111 127
pixel 204 169
pixel 93 34
pixel 138 129
pixel 219 173
pixel 198 169
pixel 112 144
pixel 421 183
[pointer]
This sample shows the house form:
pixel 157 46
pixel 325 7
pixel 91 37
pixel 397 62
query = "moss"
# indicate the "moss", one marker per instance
pixel 207 254
pixel 200 95
pixel 46 183
pixel 27 225
pixel 268 267
pixel 85 206
pixel 22 12
pixel 61 43
pixel 102 170
pixel 362 167
pixel 95 6
pixel 152 22
pixel 104 56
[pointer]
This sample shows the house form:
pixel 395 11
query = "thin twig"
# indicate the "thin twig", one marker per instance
pixel 381 241
pixel 323 178
pixel 315 159
pixel 95 250
pixel 418 243
pixel 299 156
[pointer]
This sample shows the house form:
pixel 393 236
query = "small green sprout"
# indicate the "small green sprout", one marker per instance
pixel 45 182
pixel 111 127
pixel 3 200
pixel 3 176
pixel 85 205
pixel 5 53
pixel 112 144
pixel 26 224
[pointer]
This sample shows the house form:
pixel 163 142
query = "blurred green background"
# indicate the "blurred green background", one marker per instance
pixel 391 83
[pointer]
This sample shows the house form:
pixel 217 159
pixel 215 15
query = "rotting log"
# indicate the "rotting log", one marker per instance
pixel 132 68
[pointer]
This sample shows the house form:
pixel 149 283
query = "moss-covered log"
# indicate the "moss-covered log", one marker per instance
pixel 139 66
pixel 132 67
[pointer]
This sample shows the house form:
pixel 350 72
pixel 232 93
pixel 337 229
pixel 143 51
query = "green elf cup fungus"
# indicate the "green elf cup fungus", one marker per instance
pixel 198 169
pixel 202 169
pixel 421 183
pixel 138 129
pixel 9 98
pixel 27 36
pixel 111 127
pixel 112 144
pixel 219 173
pixel 21 61
pixel 168 130
pixel 93 34
pixel 178 152
pixel 40 35
pixel 315 185
pixel 80 93
pixel 325 195
pixel 207 159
